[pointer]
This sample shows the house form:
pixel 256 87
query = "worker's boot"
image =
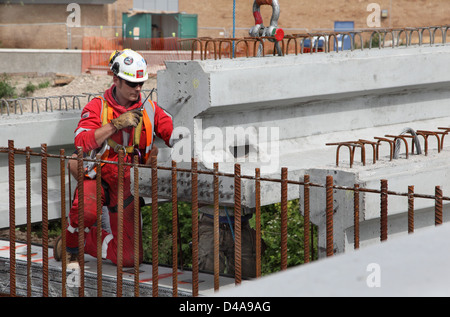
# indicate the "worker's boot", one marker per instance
pixel 57 249
pixel 57 253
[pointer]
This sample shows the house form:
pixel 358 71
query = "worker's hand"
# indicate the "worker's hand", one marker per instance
pixel 127 119
pixel 153 152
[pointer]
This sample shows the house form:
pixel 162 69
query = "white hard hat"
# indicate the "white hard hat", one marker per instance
pixel 128 65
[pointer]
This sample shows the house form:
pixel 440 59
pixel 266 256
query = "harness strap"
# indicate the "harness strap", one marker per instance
pixel 116 147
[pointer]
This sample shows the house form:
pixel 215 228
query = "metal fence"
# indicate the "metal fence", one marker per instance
pixel 304 184
pixel 22 105
pixel 321 41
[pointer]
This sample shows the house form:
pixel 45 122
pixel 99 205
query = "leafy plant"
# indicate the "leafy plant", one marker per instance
pixel 270 228
pixel 6 89
pixel 165 233
pixel 29 88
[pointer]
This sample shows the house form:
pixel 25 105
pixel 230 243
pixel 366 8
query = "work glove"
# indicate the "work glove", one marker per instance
pixel 127 119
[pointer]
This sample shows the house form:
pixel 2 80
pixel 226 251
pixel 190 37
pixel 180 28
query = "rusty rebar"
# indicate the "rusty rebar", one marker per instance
pixel 330 39
pixel 120 200
pixel 351 148
pixel 44 183
pixel 155 259
pixel 136 228
pixel 391 147
pixel 410 209
pixel 438 206
pixel 174 230
pixel 399 137
pixel 425 134
pixel 444 133
pixel 306 219
pixel 283 180
pixel 216 227
pixel 12 219
pixel 258 220
pixel 62 165
pixel 99 226
pixel 194 181
pixel 356 216
pixel 384 210
pixel 284 189
pixel 237 225
pixel 80 191
pixel 329 216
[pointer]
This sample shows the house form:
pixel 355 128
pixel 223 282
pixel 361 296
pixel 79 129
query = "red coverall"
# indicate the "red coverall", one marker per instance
pixel 84 137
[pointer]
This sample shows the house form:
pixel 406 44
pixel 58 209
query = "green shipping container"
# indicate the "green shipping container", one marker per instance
pixel 141 31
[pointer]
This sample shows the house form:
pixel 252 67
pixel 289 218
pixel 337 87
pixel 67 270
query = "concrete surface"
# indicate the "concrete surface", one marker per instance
pixel 40 61
pixel 415 266
pixel 56 129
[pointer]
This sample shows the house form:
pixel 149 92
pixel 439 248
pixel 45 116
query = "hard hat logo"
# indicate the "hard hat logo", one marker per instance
pixel 128 60
pixel 140 73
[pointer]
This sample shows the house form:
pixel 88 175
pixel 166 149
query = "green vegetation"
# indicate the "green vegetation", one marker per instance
pixel 270 231
pixel 30 88
pixel 7 90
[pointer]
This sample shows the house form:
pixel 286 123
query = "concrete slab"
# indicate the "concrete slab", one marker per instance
pixel 109 275
pixel 416 266
pixel 32 129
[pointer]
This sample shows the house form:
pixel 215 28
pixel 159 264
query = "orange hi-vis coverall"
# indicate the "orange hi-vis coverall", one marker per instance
pixel 96 113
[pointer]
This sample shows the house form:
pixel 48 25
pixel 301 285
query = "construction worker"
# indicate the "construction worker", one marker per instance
pixel 226 241
pixel 117 120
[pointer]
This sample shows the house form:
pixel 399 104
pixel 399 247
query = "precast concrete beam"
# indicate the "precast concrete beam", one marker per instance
pixel 32 129
pixel 281 111
pixel 56 129
pixel 229 107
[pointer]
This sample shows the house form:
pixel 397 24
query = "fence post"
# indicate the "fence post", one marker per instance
pixel 284 185
pixel 12 220
pixel 155 259
pixel 306 219
pixel 80 192
pixel 237 224
pixel 28 193
pixel 216 226
pixel 194 177
pixel 438 206
pixel 44 183
pixel 384 212
pixel 120 200
pixel 410 209
pixel 258 220
pixel 99 221
pixel 174 230
pixel 329 215
pixel 356 216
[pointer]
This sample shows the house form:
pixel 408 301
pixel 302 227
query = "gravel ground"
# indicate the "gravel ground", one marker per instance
pixel 80 85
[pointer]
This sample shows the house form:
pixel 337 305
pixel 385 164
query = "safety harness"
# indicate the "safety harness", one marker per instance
pixel 106 115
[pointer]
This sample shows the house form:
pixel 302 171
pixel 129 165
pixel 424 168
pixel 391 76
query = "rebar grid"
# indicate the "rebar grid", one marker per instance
pixel 329 188
pixel 17 105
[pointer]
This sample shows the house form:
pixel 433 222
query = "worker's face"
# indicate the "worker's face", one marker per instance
pixel 128 90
